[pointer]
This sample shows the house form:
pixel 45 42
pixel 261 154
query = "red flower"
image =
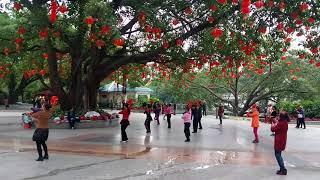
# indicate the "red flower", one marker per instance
pixel 45 55
pixel 262 29
pixel 259 4
pixel 282 5
pixel 119 42
pixel 179 42
pixel 294 78
pixel 210 19
pixel 283 58
pixel 295 15
pixel 57 34
pixel 213 8
pixel 301 56
pixel 289 30
pixel 142 17
pixel 245 7
pixel 234 2
pixel 42 72
pixel 318 64
pixel 157 32
pixel 100 43
pixel 21 30
pixel 105 29
pixel 148 29
pixel 312 61
pixel 63 8
pixel 304 7
pixel 43 34
pixel 92 37
pixel 299 22
pixel 314 50
pixel 216 33
pixel 280 26
pixel 311 20
pixel 19 40
pixel 188 11
pixel 17 6
pixel 89 21
pixel 271 3
pixel 222 1
pixel 165 44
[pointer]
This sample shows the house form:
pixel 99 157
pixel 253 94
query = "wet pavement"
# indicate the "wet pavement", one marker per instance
pixel 216 152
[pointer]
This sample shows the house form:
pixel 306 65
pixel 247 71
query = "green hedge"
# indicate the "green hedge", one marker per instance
pixel 311 108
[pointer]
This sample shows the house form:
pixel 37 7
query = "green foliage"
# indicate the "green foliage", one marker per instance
pixel 311 108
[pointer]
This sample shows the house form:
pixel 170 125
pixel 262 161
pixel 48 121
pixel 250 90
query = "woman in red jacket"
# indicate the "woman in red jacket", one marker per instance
pixel 280 139
pixel 124 122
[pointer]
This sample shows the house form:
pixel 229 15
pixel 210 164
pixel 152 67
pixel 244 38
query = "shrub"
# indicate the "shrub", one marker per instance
pixel 311 108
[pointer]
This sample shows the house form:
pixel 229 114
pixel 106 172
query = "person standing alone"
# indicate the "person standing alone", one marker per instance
pixel 255 122
pixel 220 113
pixel 40 135
pixel 168 112
pixel 195 118
pixel 187 122
pixel 148 118
pixel 124 122
pixel 280 140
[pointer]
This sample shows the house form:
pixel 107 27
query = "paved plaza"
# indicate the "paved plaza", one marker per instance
pixel 216 152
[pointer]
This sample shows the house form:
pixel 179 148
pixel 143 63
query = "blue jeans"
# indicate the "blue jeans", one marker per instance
pixel 279 159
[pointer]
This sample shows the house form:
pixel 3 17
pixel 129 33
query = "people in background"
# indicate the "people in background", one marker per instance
pixel 157 113
pixel 195 116
pixel 220 113
pixel 204 108
pixel 6 103
pixel 71 118
pixel 280 129
pixel 124 122
pixel 187 122
pixel 300 119
pixel 169 112
pixel 199 109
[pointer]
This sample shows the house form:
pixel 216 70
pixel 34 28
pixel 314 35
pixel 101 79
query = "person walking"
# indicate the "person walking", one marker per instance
pixel 187 123
pixel 124 122
pixel 71 118
pixel 280 139
pixel 220 113
pixel 204 108
pixel 255 122
pixel 148 118
pixel 168 112
pixel 40 135
pixel 301 116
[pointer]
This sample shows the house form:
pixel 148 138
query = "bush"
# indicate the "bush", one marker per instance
pixel 311 108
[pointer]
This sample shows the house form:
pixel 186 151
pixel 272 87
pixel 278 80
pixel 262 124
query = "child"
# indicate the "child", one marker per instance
pixel 148 119
pixel 280 139
pixel 255 122
pixel 124 122
pixel 187 122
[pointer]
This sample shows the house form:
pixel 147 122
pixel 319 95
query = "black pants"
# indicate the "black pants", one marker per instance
pixel 200 125
pixel 300 122
pixel 147 125
pixel 187 130
pixel 195 125
pixel 204 112
pixel 45 148
pixel 220 117
pixel 169 120
pixel 71 123
pixel 124 125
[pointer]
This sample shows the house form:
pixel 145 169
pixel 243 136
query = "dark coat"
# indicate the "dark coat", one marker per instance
pixel 197 114
pixel 280 138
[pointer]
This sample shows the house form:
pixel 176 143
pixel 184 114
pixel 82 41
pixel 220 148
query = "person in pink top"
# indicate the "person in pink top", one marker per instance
pixel 168 112
pixel 187 122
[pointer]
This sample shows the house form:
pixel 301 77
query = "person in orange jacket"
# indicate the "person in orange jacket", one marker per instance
pixel 255 122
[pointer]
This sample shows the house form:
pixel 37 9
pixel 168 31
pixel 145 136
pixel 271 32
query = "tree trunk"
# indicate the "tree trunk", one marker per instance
pixel 13 97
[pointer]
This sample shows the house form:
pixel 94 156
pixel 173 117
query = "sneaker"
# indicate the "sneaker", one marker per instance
pixel 194 132
pixel 255 141
pixel 272 134
pixel 282 172
pixel 40 159
pixel 46 157
pixel 124 141
pixel 187 140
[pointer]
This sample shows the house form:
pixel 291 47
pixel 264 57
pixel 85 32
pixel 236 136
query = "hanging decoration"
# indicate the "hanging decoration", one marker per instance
pixel 53 15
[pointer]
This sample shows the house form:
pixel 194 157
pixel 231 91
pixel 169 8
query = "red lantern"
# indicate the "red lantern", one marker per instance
pixel 222 1
pixel 100 43
pixel 210 19
pixel 21 30
pixel 304 7
pixel 45 55
pixel 63 8
pixel 43 34
pixel 179 42
pixel 89 21
pixel 259 4
pixel 17 6
pixel 54 7
pixel 105 30
pixel 216 33
pixel 119 42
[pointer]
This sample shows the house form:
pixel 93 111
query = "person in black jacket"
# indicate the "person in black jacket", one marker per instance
pixel 148 118
pixel 196 116
pixel 71 118
pixel 199 109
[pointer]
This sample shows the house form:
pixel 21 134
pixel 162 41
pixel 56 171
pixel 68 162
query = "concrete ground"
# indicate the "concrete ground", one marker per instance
pixel 216 152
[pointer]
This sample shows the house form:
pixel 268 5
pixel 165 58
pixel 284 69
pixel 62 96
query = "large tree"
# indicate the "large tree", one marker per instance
pixel 97 37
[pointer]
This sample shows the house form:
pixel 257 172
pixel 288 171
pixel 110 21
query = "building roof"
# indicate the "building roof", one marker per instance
pixel 114 87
